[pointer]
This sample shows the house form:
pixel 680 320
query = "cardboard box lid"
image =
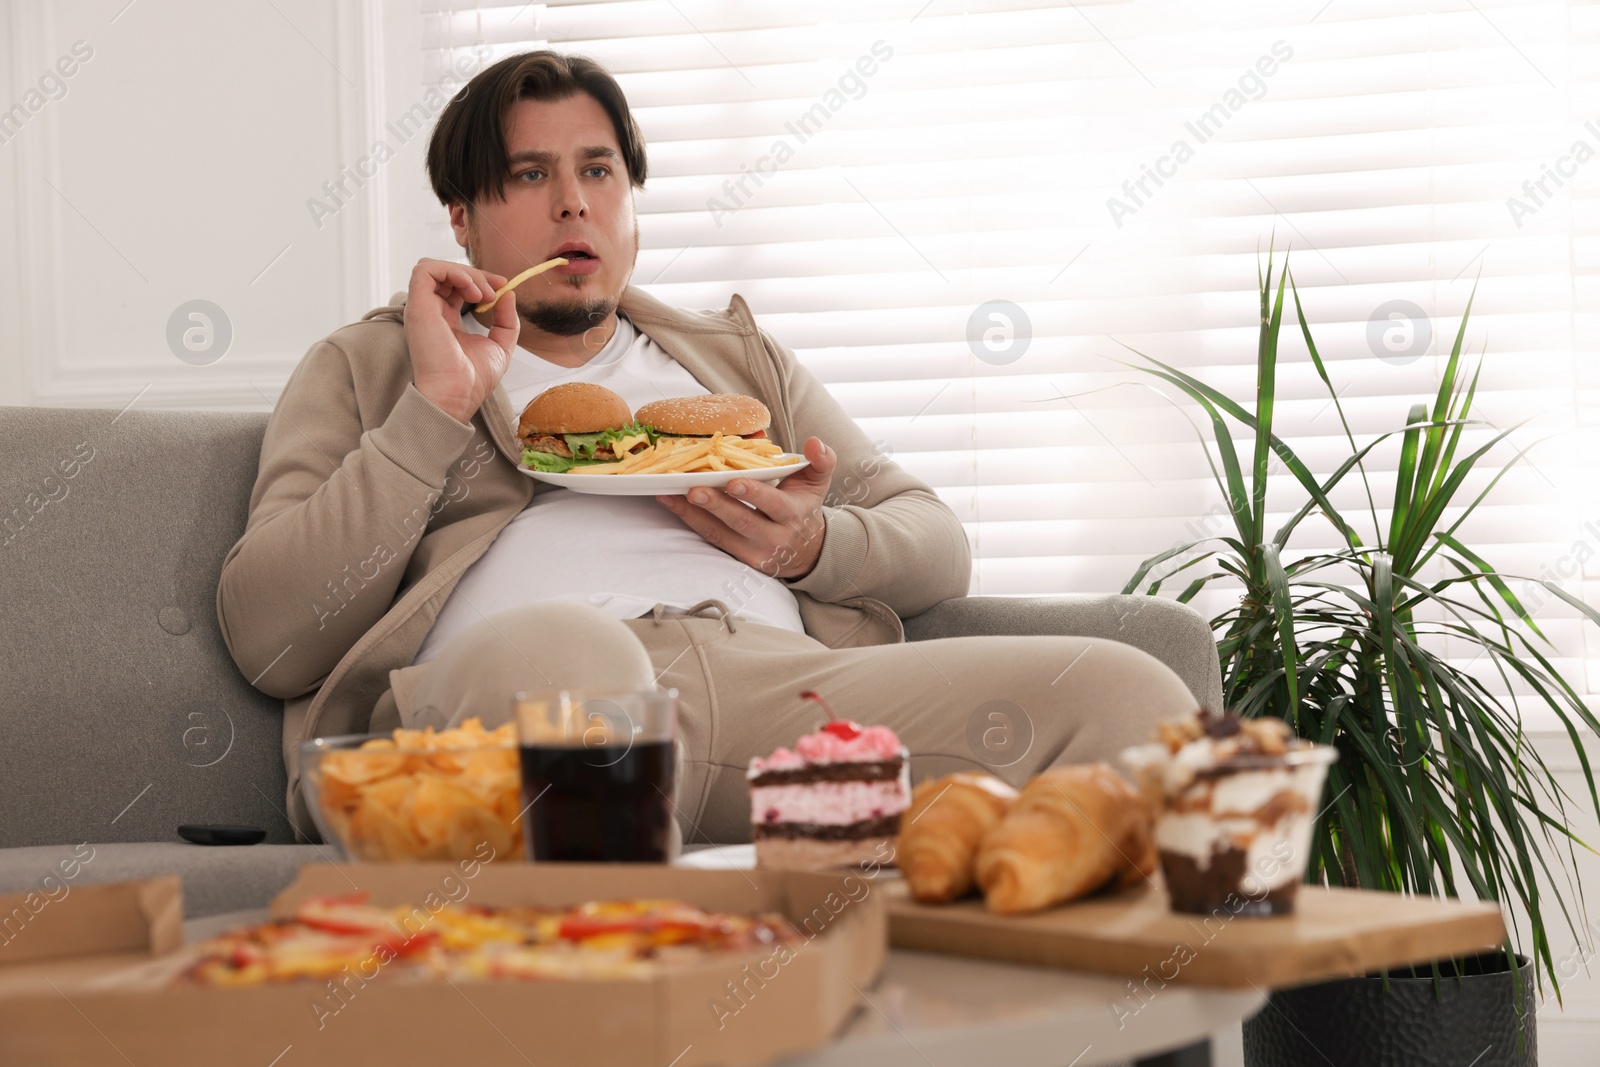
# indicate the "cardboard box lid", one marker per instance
pixel 745 1009
pixel 141 916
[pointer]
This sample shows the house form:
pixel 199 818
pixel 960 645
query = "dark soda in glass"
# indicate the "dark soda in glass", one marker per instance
pixel 599 804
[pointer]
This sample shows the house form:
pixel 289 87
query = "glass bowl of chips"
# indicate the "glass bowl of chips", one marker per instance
pixel 428 794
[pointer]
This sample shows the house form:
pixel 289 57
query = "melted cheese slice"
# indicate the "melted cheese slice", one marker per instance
pixel 623 445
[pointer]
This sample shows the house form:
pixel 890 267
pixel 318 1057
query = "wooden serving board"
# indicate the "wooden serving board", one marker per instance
pixel 1333 933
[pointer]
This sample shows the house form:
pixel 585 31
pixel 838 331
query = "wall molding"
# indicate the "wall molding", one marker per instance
pixel 240 389
pixel 40 372
pixel 38 213
pixel 364 239
pixel 13 384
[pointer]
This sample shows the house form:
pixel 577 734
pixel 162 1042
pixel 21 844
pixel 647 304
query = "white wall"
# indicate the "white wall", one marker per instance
pixel 176 163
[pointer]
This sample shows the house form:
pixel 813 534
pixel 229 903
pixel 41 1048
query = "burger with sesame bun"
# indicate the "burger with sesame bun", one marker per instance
pixel 578 425
pixel 730 414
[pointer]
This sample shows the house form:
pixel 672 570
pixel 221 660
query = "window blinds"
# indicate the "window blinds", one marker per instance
pixel 873 176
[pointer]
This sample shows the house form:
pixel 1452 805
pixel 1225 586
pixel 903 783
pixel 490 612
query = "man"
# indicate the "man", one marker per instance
pixel 397 568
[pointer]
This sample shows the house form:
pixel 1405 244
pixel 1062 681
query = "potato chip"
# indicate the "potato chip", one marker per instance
pixel 339 823
pixel 338 794
pixel 492 762
pixel 390 793
pixel 447 762
pixel 425 794
pixel 433 802
pixel 473 826
pixel 375 834
pixel 361 766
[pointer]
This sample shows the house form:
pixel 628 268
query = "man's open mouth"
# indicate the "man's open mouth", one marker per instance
pixel 580 257
pixel 576 251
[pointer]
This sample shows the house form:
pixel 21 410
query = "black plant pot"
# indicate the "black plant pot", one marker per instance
pixel 1476 1018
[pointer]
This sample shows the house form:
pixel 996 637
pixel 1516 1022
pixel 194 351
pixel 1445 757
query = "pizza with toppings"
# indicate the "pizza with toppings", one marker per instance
pixel 328 936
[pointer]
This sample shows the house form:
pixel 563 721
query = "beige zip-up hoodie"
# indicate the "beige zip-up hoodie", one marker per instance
pixel 370 502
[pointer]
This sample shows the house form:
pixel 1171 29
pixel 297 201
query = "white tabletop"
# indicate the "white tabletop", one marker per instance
pixel 930 1009
pixel 951 1011
pixel 954 1011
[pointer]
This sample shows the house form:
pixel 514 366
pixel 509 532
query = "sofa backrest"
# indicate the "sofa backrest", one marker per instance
pixel 121 713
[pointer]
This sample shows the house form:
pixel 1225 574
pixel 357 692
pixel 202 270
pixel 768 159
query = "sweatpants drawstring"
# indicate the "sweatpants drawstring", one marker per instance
pixel 706 609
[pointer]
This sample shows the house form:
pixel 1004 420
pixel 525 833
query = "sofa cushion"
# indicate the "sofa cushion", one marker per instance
pixel 1174 633
pixel 214 879
pixel 122 713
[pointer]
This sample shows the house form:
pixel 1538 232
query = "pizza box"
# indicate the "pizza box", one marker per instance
pixel 1333 933
pixel 65 1001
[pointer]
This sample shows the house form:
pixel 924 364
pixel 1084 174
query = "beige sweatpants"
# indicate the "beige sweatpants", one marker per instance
pixel 1009 705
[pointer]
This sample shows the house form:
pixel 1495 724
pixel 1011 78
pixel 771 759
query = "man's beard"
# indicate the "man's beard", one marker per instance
pixel 558 319
pixel 567 320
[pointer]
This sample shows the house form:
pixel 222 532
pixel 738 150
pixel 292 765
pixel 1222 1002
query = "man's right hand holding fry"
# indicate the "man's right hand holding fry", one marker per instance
pixel 453 368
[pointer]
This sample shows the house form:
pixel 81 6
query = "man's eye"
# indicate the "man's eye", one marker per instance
pixel 597 171
pixel 530 175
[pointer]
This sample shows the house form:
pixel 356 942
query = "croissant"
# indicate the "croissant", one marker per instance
pixel 942 829
pixel 1073 830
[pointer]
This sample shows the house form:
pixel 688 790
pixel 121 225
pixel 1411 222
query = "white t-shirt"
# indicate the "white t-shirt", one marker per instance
pixel 622 554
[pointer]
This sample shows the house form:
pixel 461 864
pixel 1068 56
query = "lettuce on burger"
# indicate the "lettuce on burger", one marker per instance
pixel 730 414
pixel 578 425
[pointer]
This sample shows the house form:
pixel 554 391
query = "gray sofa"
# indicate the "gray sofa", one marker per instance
pixel 123 714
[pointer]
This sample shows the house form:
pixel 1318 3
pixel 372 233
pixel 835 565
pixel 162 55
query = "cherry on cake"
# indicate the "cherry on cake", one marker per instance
pixel 833 800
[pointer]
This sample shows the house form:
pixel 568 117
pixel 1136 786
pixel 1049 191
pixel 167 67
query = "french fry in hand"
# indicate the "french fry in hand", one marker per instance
pixel 537 269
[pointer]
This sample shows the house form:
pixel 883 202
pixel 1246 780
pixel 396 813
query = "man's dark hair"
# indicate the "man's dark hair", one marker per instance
pixel 467 152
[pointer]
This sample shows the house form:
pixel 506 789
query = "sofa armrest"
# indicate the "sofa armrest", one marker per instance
pixel 1174 633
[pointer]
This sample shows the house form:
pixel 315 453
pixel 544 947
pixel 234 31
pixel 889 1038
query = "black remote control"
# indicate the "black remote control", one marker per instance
pixel 218 834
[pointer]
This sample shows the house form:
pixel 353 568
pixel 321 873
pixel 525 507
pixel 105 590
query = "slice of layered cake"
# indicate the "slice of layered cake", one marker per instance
pixel 833 800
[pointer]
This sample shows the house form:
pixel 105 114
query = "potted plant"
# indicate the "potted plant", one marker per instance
pixel 1436 789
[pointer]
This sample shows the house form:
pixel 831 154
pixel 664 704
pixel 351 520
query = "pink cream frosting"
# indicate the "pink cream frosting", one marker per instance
pixel 872 744
pixel 830 803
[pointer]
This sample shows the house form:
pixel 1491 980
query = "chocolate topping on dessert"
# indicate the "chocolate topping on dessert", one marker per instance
pixel 1234 799
pixel 882 826
pixel 1198 890
pixel 877 771
pixel 1232 736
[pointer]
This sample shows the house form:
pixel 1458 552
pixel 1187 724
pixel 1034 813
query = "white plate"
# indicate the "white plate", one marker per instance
pixel 670 484
pixel 720 858
pixel 743 858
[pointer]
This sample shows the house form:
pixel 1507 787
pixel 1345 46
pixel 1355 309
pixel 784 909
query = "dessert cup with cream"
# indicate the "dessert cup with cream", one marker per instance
pixel 1235 802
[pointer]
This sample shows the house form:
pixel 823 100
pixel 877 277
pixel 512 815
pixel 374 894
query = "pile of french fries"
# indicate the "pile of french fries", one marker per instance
pixel 687 455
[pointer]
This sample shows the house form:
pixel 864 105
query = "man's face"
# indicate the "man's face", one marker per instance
pixel 568 195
